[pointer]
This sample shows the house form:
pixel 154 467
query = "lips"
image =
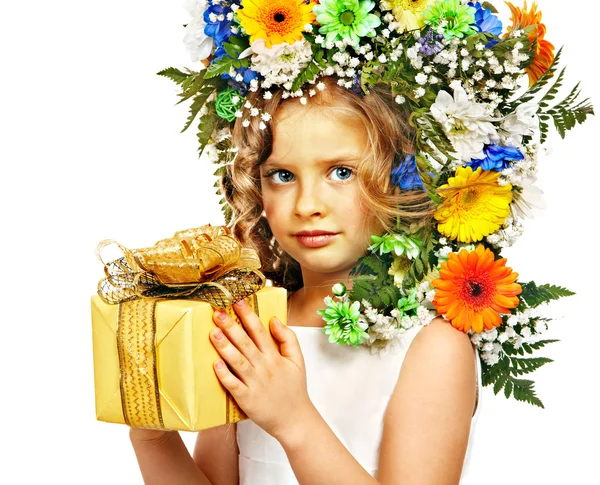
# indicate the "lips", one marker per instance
pixel 315 232
pixel 316 239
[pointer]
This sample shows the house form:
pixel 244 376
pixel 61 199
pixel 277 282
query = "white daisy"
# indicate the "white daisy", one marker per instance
pixel 467 124
pixel 531 198
pixel 523 121
pixel 197 43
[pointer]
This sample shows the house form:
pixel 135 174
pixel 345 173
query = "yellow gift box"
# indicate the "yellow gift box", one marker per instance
pixel 153 361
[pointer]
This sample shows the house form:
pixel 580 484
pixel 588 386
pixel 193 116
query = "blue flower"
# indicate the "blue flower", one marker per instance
pixel 219 28
pixel 486 21
pixel 247 73
pixel 406 176
pixel 497 158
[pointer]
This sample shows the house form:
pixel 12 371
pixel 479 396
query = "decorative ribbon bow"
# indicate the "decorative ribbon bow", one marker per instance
pixel 205 263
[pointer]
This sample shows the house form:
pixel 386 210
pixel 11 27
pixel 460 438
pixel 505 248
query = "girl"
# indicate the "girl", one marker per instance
pixel 322 413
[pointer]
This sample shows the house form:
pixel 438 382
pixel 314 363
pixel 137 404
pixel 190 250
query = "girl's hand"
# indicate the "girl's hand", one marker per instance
pixel 268 384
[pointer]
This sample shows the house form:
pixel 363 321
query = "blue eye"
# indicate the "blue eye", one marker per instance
pixel 347 170
pixel 286 176
pixel 279 172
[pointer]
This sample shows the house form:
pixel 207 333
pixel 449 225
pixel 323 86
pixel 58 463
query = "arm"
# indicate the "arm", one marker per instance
pixel 426 426
pixel 428 419
pixel 216 453
pixel 164 459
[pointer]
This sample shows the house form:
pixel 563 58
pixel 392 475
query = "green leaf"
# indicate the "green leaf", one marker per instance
pixel 499 384
pixel 541 343
pixel 534 295
pixel 310 71
pixel 174 74
pixel 508 389
pixel 206 127
pixel 527 365
pixel 538 85
pixel 523 391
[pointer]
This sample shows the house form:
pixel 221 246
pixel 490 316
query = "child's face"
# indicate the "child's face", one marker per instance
pixel 315 187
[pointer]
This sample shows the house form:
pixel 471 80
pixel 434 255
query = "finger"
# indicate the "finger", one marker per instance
pixel 236 387
pixel 238 363
pixel 237 336
pixel 288 341
pixel 254 327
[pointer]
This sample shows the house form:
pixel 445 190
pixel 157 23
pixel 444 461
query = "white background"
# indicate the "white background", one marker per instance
pixel 90 149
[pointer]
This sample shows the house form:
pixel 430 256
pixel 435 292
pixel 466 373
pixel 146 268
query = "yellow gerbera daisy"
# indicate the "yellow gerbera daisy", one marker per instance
pixel 475 205
pixel 276 21
pixel 409 13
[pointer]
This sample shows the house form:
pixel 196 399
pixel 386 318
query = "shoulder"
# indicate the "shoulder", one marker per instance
pixel 439 366
pixel 439 343
pixel 442 359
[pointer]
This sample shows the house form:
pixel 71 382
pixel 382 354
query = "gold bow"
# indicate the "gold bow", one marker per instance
pixel 205 263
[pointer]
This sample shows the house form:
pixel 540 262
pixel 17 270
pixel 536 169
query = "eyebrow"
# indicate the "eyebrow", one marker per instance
pixel 341 158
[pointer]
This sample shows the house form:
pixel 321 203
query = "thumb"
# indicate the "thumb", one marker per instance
pixel 288 342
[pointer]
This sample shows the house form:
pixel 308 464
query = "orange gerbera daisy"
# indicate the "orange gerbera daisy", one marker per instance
pixel 543 51
pixel 473 289
pixel 276 21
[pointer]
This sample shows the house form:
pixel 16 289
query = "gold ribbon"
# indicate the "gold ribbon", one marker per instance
pixel 136 331
pixel 205 263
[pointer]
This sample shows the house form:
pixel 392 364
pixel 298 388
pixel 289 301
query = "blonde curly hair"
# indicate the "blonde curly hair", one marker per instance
pixel 390 138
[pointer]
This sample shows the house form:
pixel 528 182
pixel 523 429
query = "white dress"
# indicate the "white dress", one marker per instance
pixel 343 382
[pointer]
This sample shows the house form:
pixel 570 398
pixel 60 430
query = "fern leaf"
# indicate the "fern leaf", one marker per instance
pixel 539 84
pixel 542 343
pixel 534 295
pixel 523 391
pixel 174 75
pixel 526 366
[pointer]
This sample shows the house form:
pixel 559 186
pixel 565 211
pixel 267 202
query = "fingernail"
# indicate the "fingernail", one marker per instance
pixel 278 322
pixel 219 364
pixel 240 303
pixel 218 334
pixel 221 315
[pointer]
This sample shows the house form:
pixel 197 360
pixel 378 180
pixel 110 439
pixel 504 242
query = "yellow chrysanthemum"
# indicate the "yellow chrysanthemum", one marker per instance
pixel 409 13
pixel 475 205
pixel 276 21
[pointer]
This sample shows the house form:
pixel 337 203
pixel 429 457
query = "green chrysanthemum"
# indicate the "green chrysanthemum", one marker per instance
pixel 455 19
pixel 343 325
pixel 399 244
pixel 346 19
pixel 408 305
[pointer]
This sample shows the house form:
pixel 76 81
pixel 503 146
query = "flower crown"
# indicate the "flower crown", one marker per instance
pixel 479 132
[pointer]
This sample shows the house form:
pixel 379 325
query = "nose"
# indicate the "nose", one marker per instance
pixel 310 200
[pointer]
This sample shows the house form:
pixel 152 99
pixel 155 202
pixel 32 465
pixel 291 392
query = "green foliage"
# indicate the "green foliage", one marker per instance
pixel 533 295
pixel 529 95
pixel 422 264
pixel 567 114
pixel 312 69
pixel 206 126
pixel 430 132
pixel 233 47
pixel 373 283
pixel 504 376
pixel 174 74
